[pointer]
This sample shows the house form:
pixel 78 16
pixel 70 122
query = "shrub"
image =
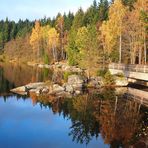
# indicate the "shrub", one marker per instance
pixel 121 75
pixel 46 59
pixel 101 72
pixel 66 75
pixel 108 79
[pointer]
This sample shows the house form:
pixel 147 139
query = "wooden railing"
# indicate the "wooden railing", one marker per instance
pixel 130 67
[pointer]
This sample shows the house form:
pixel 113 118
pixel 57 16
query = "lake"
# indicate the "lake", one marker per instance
pixel 98 118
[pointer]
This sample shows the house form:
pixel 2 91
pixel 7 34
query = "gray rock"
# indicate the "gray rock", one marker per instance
pixel 32 90
pixel 121 81
pixel 75 79
pixel 19 89
pixel 35 85
pixel 38 92
pixel 56 89
pixel 41 66
pixel 77 92
pixel 77 86
pixel 45 90
pixel 64 94
pixel 69 88
pixel 44 66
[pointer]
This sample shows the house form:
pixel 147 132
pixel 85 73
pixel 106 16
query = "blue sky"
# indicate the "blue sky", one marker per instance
pixel 35 9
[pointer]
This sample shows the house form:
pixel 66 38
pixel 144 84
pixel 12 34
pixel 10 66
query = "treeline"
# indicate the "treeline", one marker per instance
pixel 107 32
pixel 10 30
pixel 72 38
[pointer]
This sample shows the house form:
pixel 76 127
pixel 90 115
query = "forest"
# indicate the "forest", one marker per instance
pixel 106 32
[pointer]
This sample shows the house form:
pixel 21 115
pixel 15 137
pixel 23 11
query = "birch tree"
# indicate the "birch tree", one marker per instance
pixel 53 42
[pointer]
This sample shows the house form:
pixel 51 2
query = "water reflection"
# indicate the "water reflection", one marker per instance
pixel 122 122
pixel 117 115
pixel 14 75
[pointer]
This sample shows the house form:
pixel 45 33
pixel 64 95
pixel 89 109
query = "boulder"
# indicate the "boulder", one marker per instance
pixel 64 94
pixel 75 79
pixel 44 66
pixel 69 88
pixel 121 81
pixel 45 90
pixel 77 86
pixel 56 89
pixel 77 92
pixel 76 69
pixel 38 91
pixel 32 90
pixel 35 85
pixel 20 89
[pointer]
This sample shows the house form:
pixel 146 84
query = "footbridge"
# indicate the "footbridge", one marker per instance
pixel 134 73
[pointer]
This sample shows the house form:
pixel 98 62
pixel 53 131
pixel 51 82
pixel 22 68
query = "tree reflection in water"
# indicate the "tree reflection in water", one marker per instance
pixel 122 122
pixel 118 118
pixel 15 75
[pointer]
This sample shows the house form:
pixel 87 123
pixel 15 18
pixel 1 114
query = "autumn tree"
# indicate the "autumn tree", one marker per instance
pixel 136 33
pixel 60 29
pixel 53 42
pixel 35 38
pixel 113 28
pixel 44 43
pixel 129 3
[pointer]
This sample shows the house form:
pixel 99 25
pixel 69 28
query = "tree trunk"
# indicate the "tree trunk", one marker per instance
pixel 140 55
pixel 120 48
pixel 38 51
pixel 62 48
pixel 145 52
pixel 53 52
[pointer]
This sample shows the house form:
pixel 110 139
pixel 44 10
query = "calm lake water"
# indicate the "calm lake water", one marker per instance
pixel 98 119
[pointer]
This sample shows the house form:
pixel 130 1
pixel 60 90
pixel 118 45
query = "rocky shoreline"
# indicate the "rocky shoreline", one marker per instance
pixel 63 66
pixel 74 86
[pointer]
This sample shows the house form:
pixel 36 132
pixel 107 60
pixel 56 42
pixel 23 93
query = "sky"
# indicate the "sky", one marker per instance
pixel 36 9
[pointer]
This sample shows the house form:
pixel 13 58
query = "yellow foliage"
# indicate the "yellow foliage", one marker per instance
pixel 53 37
pixel 35 36
pixel 112 28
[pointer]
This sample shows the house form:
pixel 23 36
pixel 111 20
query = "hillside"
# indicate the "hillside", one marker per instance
pixel 19 50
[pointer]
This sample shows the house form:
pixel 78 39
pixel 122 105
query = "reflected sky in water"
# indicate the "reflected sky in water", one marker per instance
pixel 25 125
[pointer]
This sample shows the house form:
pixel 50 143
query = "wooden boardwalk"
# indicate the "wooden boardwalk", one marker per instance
pixel 139 72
